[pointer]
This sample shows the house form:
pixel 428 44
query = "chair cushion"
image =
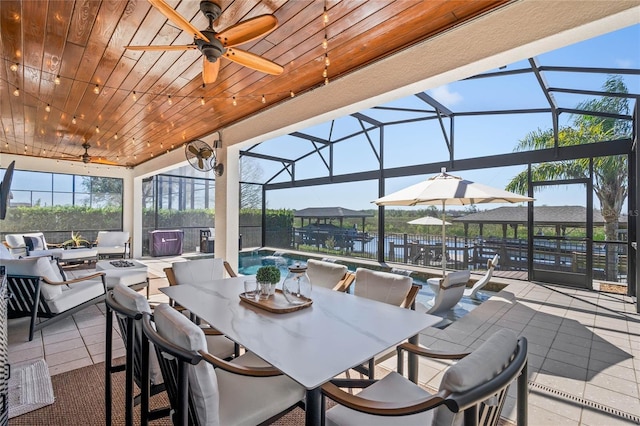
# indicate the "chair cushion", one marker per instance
pixel 76 294
pixel 479 366
pixel 391 388
pixel 267 396
pixel 455 278
pixel 198 271
pixel 112 238
pixel 382 286
pixel 203 382
pixel 325 274
pixel 38 267
pixel 76 253
pixel 136 302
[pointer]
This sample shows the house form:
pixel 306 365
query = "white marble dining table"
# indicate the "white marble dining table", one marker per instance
pixel 312 345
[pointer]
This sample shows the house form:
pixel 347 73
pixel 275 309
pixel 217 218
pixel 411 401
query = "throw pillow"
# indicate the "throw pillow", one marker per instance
pixel 33 243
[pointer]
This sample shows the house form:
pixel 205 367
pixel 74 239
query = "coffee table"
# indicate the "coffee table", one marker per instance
pixel 127 272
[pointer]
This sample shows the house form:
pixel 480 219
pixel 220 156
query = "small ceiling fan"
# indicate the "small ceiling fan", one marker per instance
pixel 214 45
pixel 202 157
pixel 86 158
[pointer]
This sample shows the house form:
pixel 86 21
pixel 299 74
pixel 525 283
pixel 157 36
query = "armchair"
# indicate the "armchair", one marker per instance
pixel 329 275
pixel 113 244
pixel 472 390
pixel 40 289
pixel 245 391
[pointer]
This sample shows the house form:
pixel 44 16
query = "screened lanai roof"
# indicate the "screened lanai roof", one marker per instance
pixel 466 125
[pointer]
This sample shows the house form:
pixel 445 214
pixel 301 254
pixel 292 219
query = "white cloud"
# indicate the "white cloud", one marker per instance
pixel 624 63
pixel 445 97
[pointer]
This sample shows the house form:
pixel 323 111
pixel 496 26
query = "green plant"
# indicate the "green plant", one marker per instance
pixel 268 274
pixel 76 240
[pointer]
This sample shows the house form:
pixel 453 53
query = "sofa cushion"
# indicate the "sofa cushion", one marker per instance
pixel 38 267
pixel 198 271
pixel 33 243
pixel 203 382
pixel 76 294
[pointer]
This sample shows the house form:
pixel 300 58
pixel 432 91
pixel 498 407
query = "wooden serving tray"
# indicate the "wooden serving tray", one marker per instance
pixel 276 303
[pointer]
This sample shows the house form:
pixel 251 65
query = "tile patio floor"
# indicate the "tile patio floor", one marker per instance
pixel 584 347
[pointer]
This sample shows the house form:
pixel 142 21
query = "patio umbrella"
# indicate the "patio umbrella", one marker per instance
pixel 427 220
pixel 446 189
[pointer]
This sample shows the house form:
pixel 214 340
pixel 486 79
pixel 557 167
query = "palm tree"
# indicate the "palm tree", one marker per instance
pixel 610 173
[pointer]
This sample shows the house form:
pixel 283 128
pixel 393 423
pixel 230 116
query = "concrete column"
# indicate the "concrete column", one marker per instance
pixel 228 206
pixel 132 211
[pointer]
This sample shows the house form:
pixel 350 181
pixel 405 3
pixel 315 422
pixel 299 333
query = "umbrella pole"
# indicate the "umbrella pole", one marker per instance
pixel 444 245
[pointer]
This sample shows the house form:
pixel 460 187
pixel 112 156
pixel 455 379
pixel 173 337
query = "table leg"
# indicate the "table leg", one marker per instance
pixel 412 361
pixel 313 407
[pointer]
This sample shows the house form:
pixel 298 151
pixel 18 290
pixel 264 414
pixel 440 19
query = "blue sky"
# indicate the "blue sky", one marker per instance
pixel 474 136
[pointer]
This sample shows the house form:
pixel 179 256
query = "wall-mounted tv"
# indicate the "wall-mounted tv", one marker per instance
pixel 5 190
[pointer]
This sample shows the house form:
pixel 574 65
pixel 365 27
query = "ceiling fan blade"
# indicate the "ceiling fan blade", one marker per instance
pixel 205 153
pixel 103 161
pixel 194 150
pixel 248 30
pixel 253 61
pixel 209 70
pixel 200 163
pixel 177 19
pixel 166 47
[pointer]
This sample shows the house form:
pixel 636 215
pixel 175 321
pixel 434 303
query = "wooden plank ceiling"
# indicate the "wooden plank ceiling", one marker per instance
pixel 55 54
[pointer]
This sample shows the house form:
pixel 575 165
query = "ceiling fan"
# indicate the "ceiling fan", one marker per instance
pixel 202 157
pixel 214 45
pixel 86 158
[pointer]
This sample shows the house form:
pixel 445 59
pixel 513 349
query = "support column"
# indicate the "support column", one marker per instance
pixel 132 214
pixel 228 206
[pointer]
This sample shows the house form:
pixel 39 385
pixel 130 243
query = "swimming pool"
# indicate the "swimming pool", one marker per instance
pixel 249 262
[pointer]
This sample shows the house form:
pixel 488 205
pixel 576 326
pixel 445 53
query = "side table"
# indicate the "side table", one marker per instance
pixel 126 272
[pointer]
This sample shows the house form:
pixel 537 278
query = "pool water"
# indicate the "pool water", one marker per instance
pixel 249 262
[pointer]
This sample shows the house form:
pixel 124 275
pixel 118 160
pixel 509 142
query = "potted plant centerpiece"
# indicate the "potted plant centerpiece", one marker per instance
pixel 76 241
pixel 267 277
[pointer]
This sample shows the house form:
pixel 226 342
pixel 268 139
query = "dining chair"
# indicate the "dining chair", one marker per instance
pixel 473 291
pixel 472 390
pixel 398 290
pixel 229 269
pixel 128 306
pixel 329 275
pixel 206 390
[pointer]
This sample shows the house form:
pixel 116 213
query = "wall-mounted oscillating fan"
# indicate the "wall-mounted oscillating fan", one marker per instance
pixel 202 157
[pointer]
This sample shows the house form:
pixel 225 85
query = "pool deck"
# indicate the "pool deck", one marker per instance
pixel 584 347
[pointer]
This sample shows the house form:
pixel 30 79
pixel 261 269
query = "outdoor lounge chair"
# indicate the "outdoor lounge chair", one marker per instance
pixel 329 275
pixel 387 287
pixel 472 391
pixel 473 291
pixel 40 289
pixel 244 391
pixel 112 244
pixel 451 290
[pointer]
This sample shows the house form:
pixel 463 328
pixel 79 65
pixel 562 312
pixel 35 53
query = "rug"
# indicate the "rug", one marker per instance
pixel 29 387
